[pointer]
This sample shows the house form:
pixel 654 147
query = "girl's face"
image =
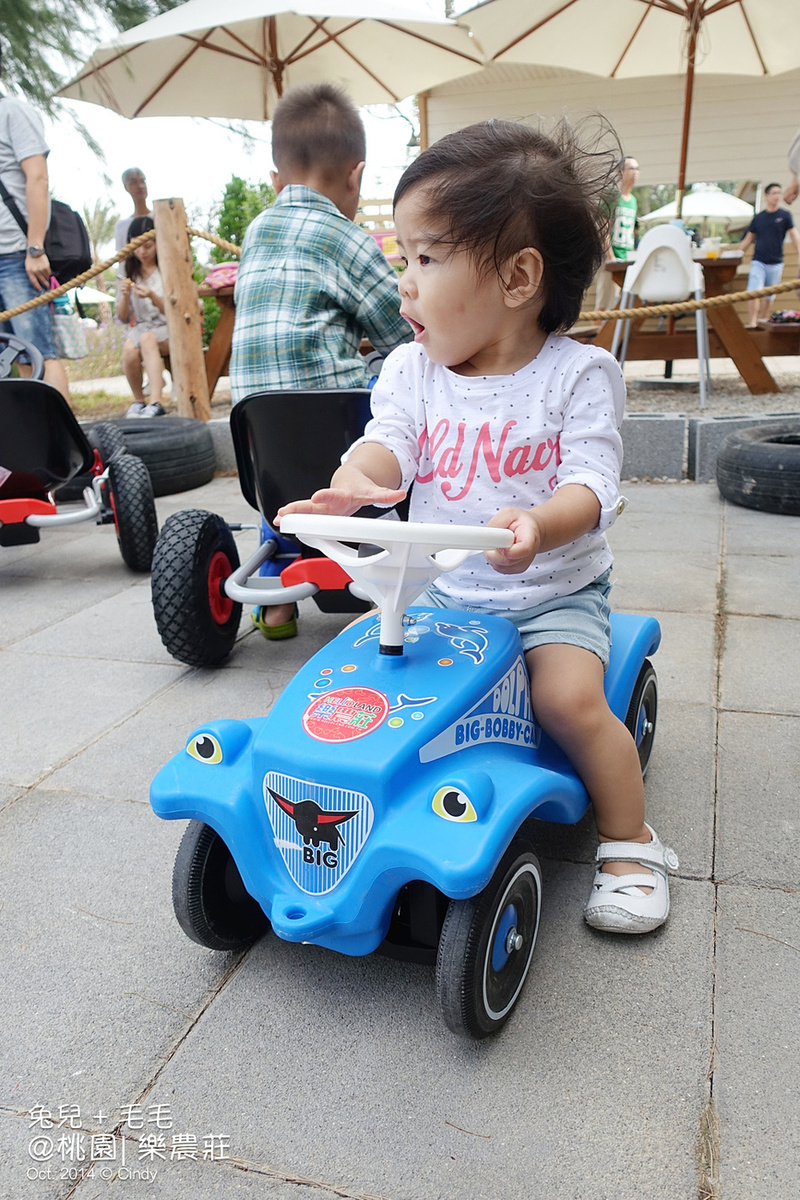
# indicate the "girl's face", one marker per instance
pixel 464 319
pixel 146 253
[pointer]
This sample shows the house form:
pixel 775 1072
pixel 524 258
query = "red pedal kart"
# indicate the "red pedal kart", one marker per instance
pixel 42 447
pixel 287 444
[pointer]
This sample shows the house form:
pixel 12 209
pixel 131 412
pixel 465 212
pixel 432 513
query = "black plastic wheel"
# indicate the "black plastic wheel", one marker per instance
pixel 211 903
pixel 487 944
pixel 135 521
pixel 194 556
pixel 642 713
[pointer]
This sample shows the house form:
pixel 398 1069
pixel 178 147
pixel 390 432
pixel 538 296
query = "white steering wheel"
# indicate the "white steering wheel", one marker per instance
pixel 409 556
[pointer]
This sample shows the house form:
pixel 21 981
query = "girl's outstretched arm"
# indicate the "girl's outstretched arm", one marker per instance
pixel 370 476
pixel 572 511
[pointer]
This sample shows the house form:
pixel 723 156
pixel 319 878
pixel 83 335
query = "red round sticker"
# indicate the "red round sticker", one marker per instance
pixel 345 714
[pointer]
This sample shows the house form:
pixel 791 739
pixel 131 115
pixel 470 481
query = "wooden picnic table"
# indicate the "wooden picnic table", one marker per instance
pixel 218 353
pixel 728 337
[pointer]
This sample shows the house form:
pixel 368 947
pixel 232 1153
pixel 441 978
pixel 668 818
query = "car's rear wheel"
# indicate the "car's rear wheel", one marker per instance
pixel 642 713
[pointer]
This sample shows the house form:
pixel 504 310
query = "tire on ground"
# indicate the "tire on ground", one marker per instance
pixel 759 468
pixel 177 451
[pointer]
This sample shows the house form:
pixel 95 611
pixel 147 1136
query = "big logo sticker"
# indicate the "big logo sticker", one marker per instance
pixel 319 830
pixel 345 714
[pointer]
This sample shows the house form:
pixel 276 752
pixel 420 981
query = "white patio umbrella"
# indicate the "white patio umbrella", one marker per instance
pixel 706 204
pixel 631 38
pixel 88 295
pixel 211 59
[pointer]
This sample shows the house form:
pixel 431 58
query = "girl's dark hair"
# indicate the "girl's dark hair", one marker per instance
pixel 139 225
pixel 499 186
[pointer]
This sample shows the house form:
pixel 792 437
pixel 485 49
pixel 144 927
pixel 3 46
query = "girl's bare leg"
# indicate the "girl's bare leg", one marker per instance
pixel 570 705
pixel 151 357
pixel 132 366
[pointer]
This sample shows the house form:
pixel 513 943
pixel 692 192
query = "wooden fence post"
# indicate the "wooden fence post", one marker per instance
pixel 182 310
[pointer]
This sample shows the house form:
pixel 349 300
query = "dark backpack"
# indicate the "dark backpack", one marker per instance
pixel 66 242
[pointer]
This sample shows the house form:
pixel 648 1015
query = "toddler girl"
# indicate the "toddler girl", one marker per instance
pixel 141 291
pixel 498 420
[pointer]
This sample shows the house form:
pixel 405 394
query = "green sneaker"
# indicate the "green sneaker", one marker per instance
pixel 274 633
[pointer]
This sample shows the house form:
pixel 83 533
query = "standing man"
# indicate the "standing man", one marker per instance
pixel 768 230
pixel 621 240
pixel 135 185
pixel 24 266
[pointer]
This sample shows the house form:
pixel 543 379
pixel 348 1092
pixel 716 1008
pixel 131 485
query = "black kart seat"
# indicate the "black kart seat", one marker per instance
pixel 41 442
pixel 289 443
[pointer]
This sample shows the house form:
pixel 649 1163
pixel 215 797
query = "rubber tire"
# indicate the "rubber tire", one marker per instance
pixel 210 901
pixel 642 709
pixel 463 961
pixel 104 437
pixel 180 588
pixel 108 440
pixel 177 451
pixel 131 497
pixel 759 468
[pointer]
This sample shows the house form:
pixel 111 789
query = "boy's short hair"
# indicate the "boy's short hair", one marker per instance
pixel 317 127
pixel 770 186
pixel 498 186
pixel 126 174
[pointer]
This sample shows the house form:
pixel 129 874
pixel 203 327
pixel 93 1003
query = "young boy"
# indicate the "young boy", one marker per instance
pixel 311 283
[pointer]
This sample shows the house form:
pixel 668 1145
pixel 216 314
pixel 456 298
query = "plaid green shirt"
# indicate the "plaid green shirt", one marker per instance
pixel 310 285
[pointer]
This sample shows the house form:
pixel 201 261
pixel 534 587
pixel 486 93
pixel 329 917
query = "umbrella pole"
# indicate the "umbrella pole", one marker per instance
pixel 422 109
pixel 694 17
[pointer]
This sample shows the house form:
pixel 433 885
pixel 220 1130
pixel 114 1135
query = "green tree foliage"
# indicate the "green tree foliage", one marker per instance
pixel 43 43
pixel 241 202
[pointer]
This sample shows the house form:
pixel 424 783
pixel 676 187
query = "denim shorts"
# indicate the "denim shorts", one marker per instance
pixel 763 274
pixel 16 288
pixel 582 619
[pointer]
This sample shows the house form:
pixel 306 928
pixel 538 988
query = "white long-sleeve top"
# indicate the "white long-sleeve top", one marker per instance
pixel 473 445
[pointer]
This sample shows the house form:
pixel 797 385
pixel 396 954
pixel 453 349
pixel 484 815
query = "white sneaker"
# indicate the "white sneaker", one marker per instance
pixel 136 409
pixel 618 903
pixel 152 410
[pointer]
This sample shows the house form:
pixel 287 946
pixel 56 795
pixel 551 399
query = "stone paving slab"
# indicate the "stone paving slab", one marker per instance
pixel 661 582
pixel 761 585
pixel 757 1075
pixel 761 665
pixel 86 904
pixel 758 838
pixel 69 702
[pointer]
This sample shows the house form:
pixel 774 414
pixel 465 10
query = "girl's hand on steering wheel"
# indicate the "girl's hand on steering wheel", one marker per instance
pixel 343 502
pixel 526 545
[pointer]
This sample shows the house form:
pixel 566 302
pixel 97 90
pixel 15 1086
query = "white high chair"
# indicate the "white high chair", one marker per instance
pixel 664 272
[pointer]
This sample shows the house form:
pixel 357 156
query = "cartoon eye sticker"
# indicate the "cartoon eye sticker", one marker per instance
pixel 454 805
pixel 205 748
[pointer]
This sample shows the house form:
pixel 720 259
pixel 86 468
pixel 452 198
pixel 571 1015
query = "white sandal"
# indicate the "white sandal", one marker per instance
pixel 617 903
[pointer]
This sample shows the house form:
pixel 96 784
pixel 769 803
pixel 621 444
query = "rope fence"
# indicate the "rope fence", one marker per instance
pixel 600 314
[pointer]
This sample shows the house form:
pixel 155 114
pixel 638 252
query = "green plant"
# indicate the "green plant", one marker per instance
pixel 241 203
